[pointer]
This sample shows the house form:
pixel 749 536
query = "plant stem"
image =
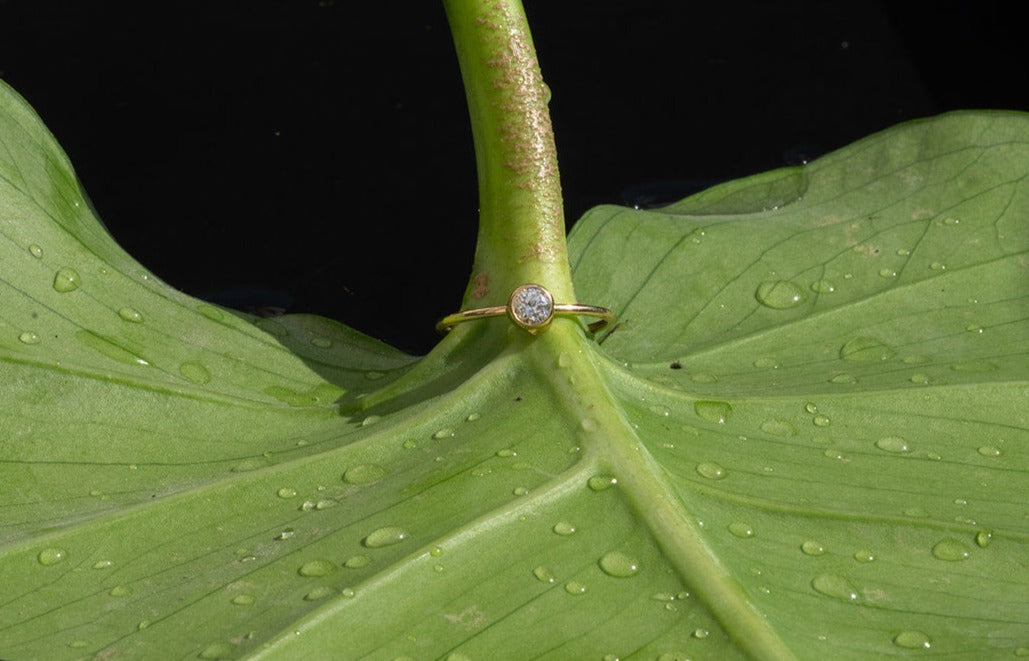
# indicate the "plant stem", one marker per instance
pixel 521 217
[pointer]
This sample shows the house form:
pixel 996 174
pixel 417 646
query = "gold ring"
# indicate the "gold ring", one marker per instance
pixel 531 308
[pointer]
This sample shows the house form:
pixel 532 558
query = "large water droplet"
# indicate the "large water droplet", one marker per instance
pixel 779 294
pixel 989 451
pixel 812 548
pixel 35 251
pixel 131 315
pixel 29 337
pixel 866 350
pixel 835 586
pixel 717 412
pixel 52 556
pixel 823 287
pixel 544 575
pixel 194 373
pixel 564 528
pixel 363 473
pixel 601 482
pixel 619 565
pixel 864 556
pixel 286 492
pixel 711 471
pixel 741 530
pixel 575 588
pixel 66 279
pixel 893 444
pixel 317 568
pixel 912 640
pixel 386 536
pixel 983 538
pixel 821 420
pixel 951 550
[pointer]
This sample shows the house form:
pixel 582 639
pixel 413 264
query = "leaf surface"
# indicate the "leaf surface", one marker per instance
pixel 806 436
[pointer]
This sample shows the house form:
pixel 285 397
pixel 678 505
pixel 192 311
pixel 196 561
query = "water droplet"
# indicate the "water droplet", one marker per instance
pixel 843 379
pixel 211 312
pixel 443 433
pixel 864 556
pixel 812 548
pixel 66 280
pixel 544 575
pixel 120 591
pixel 325 504
pixel 779 294
pixel 243 599
pixel 601 482
pixel 893 444
pixel 865 350
pixel 286 492
pixel 903 252
pixel 919 378
pixel 821 420
pixel 520 491
pixel 588 425
pixel 564 360
pixel 717 412
pixel 950 222
pixel 320 592
pixel 218 651
pixel 472 417
pixel 989 451
pixel 51 556
pixel 131 315
pixel 357 562
pixel 363 473
pixel 321 342
pixel 506 452
pixel 778 427
pixel 983 538
pixel 109 348
pixel 833 453
pixel 951 550
pixel 387 536
pixel 741 530
pixel 194 373
pixel 35 251
pixel 143 624
pixel 701 633
pixel 619 565
pixel 974 328
pixel 823 287
pixel 711 471
pixel 285 534
pixel 912 640
pixel 766 363
pixel 317 568
pixel 564 528
pixel 575 588
pixel 370 420
pixel 29 337
pixel 835 586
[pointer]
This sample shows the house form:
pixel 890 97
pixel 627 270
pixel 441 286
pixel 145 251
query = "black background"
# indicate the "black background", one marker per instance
pixel 316 155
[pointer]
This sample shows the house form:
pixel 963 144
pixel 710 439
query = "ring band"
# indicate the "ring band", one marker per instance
pixel 531 308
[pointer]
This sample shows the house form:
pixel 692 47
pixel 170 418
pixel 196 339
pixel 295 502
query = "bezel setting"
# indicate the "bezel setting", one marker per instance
pixel 531 308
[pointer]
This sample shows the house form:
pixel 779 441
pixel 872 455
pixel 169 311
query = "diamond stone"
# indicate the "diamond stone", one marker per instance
pixel 531 306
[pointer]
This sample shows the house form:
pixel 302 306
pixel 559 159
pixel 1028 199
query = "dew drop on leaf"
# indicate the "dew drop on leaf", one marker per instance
pixel 912 640
pixel 564 528
pixel 286 492
pixel 443 433
pixel 363 473
pixel 120 591
pixel 601 482
pixel 701 633
pixel 989 451
pixel 29 337
pixel 779 294
pixel 823 287
pixel 711 471
pixel 544 575
pixel 194 373
pixel 386 536
pixel 316 568
pixel 243 600
pixel 778 427
pixel 130 315
pixel 812 548
pixel 619 565
pixel 320 592
pixel 506 452
pixel 837 587
pixel 843 379
pixel 65 280
pixel 52 556
pixel 35 251
pixel 109 348
pixel 103 564
pixel 321 342
pixel 821 420
pixel 951 550
pixel 741 530
pixel 575 588
pixel 866 350
pixel 893 444
pixel 717 412
pixel 983 538
pixel 864 556
pixel 357 561
pixel 209 311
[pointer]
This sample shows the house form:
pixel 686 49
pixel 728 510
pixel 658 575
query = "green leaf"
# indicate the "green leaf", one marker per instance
pixel 806 437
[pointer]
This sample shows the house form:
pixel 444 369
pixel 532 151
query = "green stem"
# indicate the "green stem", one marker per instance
pixel 521 216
